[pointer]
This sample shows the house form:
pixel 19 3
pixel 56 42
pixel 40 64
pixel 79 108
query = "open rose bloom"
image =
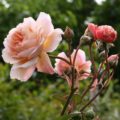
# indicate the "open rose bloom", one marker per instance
pixel 104 33
pixel 26 46
pixel 82 67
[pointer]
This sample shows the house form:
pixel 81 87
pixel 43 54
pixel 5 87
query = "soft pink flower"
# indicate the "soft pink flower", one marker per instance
pixel 26 46
pixel 82 66
pixel 104 33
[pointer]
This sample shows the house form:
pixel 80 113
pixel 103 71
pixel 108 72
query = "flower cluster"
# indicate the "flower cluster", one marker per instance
pixel 28 44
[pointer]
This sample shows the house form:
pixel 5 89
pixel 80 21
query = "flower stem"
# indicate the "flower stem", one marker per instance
pixel 57 57
pixel 68 101
pixel 95 75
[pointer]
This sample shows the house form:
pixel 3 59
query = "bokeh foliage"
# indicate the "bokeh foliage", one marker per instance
pixel 33 100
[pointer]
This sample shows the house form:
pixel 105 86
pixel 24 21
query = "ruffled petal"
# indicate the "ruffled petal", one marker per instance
pixel 53 40
pixel 44 64
pixel 21 73
pixel 44 23
pixel 7 57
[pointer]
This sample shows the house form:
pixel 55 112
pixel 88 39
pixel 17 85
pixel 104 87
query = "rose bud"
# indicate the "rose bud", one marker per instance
pixel 113 59
pixel 68 34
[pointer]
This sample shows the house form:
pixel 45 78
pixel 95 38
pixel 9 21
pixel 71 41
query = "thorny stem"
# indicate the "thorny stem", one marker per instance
pixel 89 102
pixel 95 75
pixel 106 59
pixel 57 57
pixel 68 101
pixel 73 80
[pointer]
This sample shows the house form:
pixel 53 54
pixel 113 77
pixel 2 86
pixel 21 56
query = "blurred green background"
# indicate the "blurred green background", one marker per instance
pixel 34 100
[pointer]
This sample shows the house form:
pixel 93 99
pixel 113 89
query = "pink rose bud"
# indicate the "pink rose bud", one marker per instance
pixel 113 59
pixel 106 33
pixel 27 45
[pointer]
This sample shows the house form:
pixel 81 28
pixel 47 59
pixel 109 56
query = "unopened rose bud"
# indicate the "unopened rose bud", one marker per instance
pixel 76 116
pixel 113 59
pixel 90 114
pixel 68 34
pixel 85 40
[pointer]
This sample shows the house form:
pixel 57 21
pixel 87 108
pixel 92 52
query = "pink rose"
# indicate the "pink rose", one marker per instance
pixel 82 66
pixel 104 33
pixel 26 46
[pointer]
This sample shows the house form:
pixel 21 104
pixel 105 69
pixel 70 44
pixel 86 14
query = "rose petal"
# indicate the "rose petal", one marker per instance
pixel 29 63
pixel 80 57
pixel 7 57
pixel 44 64
pixel 53 40
pixel 44 22
pixel 21 73
pixel 86 67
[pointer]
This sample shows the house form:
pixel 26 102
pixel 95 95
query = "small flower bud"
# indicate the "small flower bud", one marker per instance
pixel 85 40
pixel 76 116
pixel 90 114
pixel 113 59
pixel 68 34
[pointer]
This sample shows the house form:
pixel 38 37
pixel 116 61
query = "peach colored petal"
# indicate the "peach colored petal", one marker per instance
pixel 28 27
pixel 21 73
pixel 52 41
pixel 29 63
pixel 30 52
pixel 44 22
pixel 7 57
pixel 44 64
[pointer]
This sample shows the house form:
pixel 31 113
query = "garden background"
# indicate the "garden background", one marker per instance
pixel 37 99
